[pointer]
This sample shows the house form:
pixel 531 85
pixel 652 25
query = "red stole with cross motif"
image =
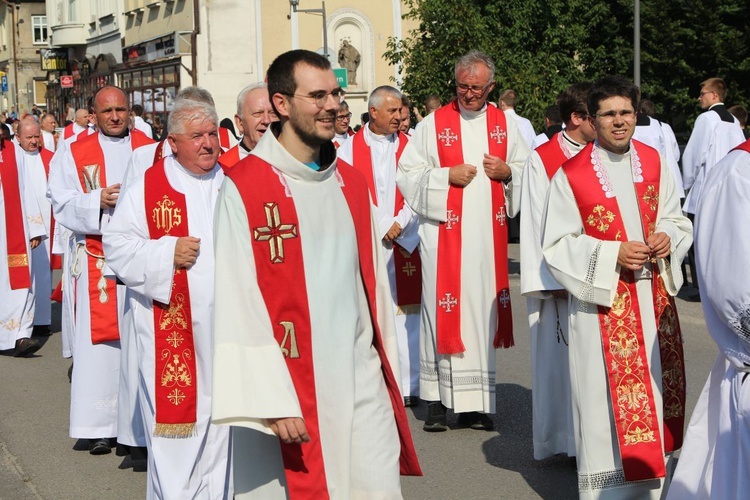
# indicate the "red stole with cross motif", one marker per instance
pixel 174 357
pixel 277 250
pixel 89 160
pixel 408 266
pixel 450 152
pixel 19 270
pixel 552 155
pixel 55 260
pixel 621 327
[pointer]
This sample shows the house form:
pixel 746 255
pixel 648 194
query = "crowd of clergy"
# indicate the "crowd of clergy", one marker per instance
pixel 251 320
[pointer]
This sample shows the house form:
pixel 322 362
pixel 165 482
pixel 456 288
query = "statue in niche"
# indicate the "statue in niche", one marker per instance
pixel 349 59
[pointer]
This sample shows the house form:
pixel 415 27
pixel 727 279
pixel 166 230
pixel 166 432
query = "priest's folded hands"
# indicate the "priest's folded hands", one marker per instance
pixel 633 254
pixel 461 175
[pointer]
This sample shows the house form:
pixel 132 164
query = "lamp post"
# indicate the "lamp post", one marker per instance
pixel 14 26
pixel 322 11
pixel 637 44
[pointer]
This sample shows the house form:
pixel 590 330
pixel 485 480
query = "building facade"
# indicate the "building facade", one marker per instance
pixel 152 48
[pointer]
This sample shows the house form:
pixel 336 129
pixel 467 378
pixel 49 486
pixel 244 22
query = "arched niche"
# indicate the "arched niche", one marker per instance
pixel 353 26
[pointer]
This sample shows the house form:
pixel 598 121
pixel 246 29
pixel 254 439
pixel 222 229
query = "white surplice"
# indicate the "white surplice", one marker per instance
pixel 587 268
pixel 525 128
pixel 711 139
pixel 715 458
pixel 96 371
pixel 141 160
pixel 552 414
pixel 660 136
pixel 360 442
pixel 383 153
pixel 465 381
pixel 36 176
pixel 48 140
pixel 198 466
pixel 17 306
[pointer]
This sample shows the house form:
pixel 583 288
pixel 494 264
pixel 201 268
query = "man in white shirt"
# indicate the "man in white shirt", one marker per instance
pixel 139 122
pixel 507 103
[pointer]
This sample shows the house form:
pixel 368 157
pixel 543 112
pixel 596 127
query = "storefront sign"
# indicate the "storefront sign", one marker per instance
pixel 66 81
pixel 159 48
pixel 54 59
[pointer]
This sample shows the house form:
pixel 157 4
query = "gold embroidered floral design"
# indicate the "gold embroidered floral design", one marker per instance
pixel 600 218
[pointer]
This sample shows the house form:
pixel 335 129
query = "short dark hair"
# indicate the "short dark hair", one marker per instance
pixel 552 113
pixel 740 112
pixel 137 109
pixel 405 101
pixel 573 100
pixel 646 107
pixel 611 86
pixel 280 75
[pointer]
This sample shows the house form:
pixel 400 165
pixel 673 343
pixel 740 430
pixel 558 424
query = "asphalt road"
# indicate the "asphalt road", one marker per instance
pixel 37 459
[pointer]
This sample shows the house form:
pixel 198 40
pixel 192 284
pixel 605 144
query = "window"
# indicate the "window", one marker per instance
pixel 39 29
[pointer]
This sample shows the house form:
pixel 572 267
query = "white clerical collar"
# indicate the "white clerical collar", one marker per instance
pixel 201 177
pixel 372 136
pixel 468 114
pixel 342 137
pixel 713 105
pixel 571 142
pixel 114 140
pixel 270 150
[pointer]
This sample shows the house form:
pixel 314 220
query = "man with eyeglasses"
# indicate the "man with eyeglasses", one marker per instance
pixel 714 134
pixel 254 115
pixel 546 299
pixel 160 244
pixel 613 237
pixel 461 173
pixel 375 150
pixel 341 126
pixel 304 329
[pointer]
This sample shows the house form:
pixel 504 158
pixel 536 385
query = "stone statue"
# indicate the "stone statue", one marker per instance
pixel 349 58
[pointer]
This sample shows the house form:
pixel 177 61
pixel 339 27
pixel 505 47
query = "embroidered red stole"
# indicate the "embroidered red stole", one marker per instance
pixel 621 327
pixel 89 160
pixel 68 131
pixel 19 270
pixel 175 367
pixel 230 158
pixel 55 260
pixel 277 250
pixel 408 266
pixel 745 146
pixel 552 155
pixel 450 152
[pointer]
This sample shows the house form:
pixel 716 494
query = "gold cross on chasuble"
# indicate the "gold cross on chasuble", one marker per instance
pixel 275 232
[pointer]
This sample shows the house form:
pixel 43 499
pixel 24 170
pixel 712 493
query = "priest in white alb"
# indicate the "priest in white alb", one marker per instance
pixel 614 237
pixel 83 187
pixel 22 231
pixel 375 151
pixel 461 172
pixel 304 329
pixel 546 299
pixel 715 459
pixel 160 244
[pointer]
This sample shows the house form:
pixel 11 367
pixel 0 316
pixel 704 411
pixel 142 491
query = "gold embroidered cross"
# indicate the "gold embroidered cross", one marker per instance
pixel 651 197
pixel 275 232
pixel 409 269
pixel 601 218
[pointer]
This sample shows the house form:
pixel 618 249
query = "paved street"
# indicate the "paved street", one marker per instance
pixel 37 459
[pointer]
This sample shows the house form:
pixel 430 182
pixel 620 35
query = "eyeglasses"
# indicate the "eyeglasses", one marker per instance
pixel 625 114
pixel 475 89
pixel 707 92
pixel 344 117
pixel 320 98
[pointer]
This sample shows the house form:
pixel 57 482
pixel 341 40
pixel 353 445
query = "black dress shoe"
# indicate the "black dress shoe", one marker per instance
pixel 475 420
pixel 100 446
pixel 26 347
pixel 696 297
pixel 436 421
pixel 411 401
pixel 70 373
pixel 41 331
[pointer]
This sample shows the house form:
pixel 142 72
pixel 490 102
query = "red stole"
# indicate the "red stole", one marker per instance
pixel 621 327
pixel 19 270
pixel 175 370
pixel 277 250
pixel 408 266
pixel 230 158
pixel 552 155
pixel 68 131
pixel 745 146
pixel 89 160
pixel 450 152
pixel 159 152
pixel 55 260
pixel 224 141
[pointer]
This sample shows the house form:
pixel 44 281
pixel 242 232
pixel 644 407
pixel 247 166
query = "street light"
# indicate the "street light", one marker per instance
pixel 637 44
pixel 322 11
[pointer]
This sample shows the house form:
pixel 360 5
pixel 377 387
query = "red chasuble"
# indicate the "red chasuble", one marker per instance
pixel 277 250
pixel 89 160
pixel 174 357
pixel 408 266
pixel 19 270
pixel 621 327
pixel 450 152
pixel 230 158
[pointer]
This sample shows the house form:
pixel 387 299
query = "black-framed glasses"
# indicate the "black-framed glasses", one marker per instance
pixel 344 117
pixel 474 89
pixel 320 98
